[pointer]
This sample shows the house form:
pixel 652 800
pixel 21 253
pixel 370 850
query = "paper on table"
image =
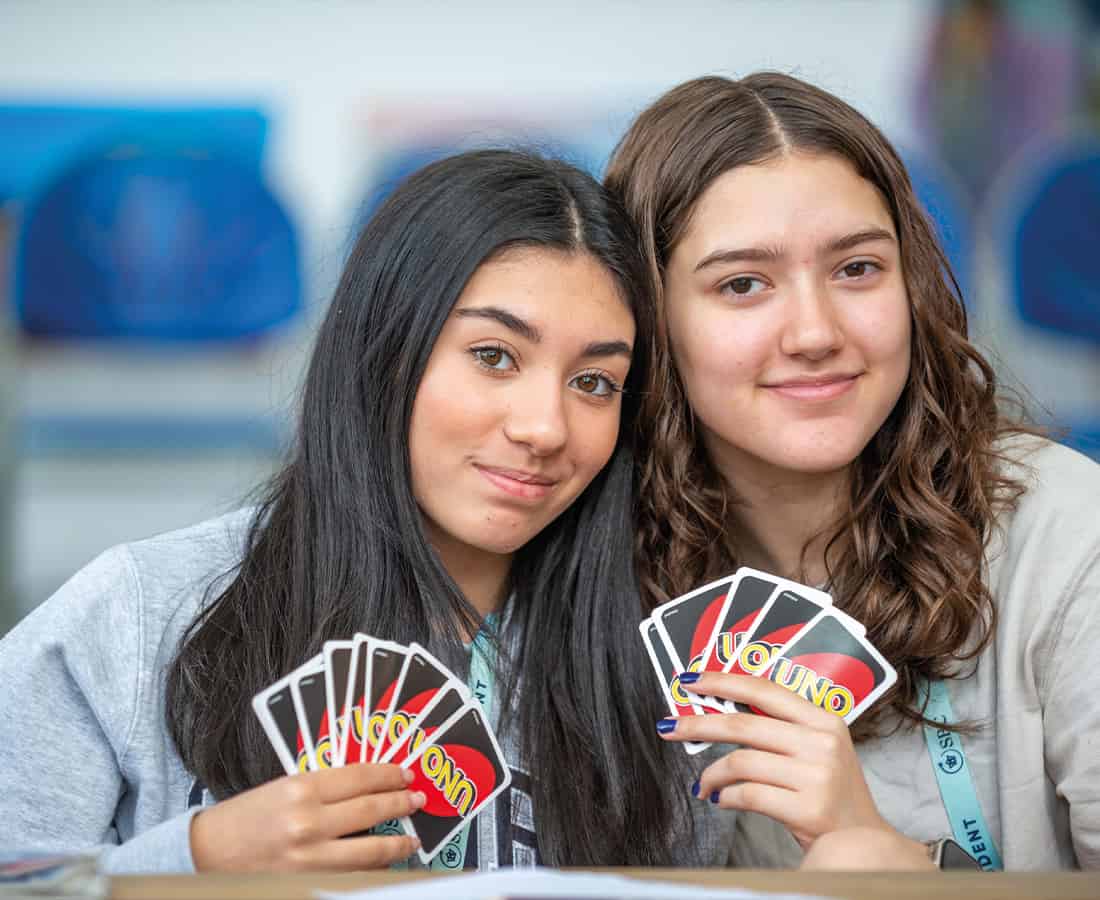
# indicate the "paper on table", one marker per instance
pixel 539 883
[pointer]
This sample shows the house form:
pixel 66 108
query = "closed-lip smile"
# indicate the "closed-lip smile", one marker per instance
pixel 518 483
pixel 823 386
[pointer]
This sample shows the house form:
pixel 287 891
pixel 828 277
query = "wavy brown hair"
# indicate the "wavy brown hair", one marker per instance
pixel 905 557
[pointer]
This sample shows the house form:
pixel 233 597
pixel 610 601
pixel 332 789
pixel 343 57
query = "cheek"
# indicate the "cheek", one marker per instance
pixel 886 333
pixel 447 419
pixel 713 352
pixel 595 434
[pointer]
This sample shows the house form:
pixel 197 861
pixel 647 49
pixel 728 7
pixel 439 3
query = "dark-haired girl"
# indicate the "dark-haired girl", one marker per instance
pixel 463 449
pixel 817 411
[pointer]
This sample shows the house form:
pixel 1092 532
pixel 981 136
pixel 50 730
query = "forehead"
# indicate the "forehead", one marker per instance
pixel 789 199
pixel 544 285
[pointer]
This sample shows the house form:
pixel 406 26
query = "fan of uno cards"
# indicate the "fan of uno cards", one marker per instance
pixel 758 624
pixel 368 700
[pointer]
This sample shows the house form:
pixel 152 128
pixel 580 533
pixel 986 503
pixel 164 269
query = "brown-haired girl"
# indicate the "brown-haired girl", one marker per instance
pixel 818 412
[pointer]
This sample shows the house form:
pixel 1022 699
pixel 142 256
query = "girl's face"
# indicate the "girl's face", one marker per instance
pixel 518 409
pixel 789 317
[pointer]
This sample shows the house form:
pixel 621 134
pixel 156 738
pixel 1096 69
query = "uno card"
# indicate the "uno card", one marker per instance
pixel 422 678
pixel 351 739
pixel 832 664
pixel 385 661
pixel 790 607
pixel 274 707
pixel 460 770
pixel 667 675
pixel 435 717
pixel 747 596
pixel 687 622
pixel 338 662
pixel 307 688
pixel 748 592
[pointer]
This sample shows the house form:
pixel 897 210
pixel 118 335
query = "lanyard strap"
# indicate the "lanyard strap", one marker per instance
pixel 452 855
pixel 960 799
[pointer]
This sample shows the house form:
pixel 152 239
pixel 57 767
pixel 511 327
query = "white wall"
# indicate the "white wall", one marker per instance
pixel 318 68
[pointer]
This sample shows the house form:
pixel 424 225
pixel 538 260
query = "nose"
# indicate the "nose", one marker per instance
pixel 812 329
pixel 536 417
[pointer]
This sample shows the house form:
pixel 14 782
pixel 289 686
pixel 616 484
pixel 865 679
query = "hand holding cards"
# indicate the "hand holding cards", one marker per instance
pixel 762 625
pixel 366 700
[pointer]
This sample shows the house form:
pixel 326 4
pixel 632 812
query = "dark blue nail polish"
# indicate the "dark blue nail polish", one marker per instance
pixel 714 797
pixel 695 789
pixel 689 677
pixel 665 726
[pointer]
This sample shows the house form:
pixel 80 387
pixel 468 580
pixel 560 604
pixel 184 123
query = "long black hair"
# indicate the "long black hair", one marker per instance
pixel 336 545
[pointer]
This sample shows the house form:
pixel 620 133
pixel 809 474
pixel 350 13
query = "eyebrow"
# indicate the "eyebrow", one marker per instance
pixel 607 348
pixel 509 320
pixel 525 329
pixel 772 254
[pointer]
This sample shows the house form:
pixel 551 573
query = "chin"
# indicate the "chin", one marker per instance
pixel 819 461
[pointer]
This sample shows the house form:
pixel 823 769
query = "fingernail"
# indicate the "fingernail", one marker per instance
pixel 665 726
pixel 408 776
pixel 418 799
pixel 689 677
pixel 714 797
pixel 695 789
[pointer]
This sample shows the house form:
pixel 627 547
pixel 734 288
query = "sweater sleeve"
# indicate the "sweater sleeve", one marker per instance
pixel 69 685
pixel 1070 694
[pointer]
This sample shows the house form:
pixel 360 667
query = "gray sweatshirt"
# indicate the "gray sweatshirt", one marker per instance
pixel 82 687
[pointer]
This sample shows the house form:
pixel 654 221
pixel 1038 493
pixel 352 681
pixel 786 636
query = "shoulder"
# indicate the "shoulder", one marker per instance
pixel 1057 511
pixel 146 586
pixel 1052 474
pixel 1044 554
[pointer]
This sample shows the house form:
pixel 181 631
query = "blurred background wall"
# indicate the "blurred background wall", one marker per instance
pixel 180 181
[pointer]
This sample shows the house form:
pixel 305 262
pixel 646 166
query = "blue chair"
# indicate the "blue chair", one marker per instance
pixel 1055 242
pixel 1050 237
pixel 156 246
pixel 167 250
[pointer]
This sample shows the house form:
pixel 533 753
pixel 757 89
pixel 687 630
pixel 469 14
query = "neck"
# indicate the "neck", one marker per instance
pixel 482 576
pixel 484 582
pixel 781 514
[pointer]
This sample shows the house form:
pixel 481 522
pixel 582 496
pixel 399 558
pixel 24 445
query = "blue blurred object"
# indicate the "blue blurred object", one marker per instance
pixel 1050 210
pixel 946 201
pixel 156 245
pixel 37 141
pixel 1054 243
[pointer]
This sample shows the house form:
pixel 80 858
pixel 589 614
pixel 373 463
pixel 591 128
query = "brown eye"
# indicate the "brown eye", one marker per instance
pixel 496 358
pixel 595 384
pixel 743 286
pixel 860 269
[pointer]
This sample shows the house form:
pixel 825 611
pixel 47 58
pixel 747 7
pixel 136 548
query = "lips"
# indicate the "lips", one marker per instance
pixel 517 483
pixel 818 387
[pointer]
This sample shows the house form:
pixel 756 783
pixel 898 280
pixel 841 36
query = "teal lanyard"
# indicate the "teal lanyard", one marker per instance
pixel 945 750
pixel 452 855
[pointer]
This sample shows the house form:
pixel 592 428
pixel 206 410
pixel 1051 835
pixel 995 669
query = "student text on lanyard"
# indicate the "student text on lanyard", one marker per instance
pixel 960 799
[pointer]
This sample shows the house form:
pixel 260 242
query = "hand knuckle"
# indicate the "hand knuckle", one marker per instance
pixel 295 859
pixel 300 831
pixel 298 791
pixel 749 796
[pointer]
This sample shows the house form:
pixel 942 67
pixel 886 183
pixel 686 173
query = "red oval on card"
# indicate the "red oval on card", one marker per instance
pixel 474 765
